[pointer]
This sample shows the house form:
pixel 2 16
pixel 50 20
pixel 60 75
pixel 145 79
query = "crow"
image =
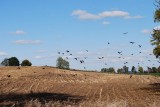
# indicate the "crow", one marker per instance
pixel 132 42
pixel 81 61
pixel 76 58
pixel 140 46
pixel 67 51
pixel 125 33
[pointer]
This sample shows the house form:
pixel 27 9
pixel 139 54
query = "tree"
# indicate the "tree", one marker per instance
pixel 26 63
pixel 140 69
pixel 108 70
pixel 62 63
pixel 13 61
pixel 154 69
pixel 125 69
pixel 120 70
pixel 133 70
pixel 156 31
pixel 5 62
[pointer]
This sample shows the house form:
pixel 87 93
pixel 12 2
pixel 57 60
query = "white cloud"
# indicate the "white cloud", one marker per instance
pixel 84 15
pixel 105 23
pixel 27 42
pixel 113 14
pixel 157 28
pixel 18 32
pixel 39 57
pixel 3 54
pixel 41 51
pixel 146 31
pixel 133 17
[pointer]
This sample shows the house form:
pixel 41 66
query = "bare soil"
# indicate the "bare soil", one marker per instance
pixel 19 86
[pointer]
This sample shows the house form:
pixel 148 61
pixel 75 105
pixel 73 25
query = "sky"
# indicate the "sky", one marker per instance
pixel 38 29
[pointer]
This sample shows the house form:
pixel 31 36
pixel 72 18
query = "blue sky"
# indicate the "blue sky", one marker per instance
pixel 38 29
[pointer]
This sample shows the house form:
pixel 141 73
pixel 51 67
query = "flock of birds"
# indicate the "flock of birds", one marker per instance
pixel 120 53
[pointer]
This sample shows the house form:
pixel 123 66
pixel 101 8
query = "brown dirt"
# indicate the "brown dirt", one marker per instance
pixel 18 86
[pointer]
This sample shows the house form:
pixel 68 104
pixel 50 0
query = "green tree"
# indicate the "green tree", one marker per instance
pixel 156 31
pixel 13 61
pixel 120 70
pixel 140 69
pixel 154 69
pixel 62 63
pixel 133 70
pixel 125 69
pixel 26 63
pixel 108 70
pixel 5 62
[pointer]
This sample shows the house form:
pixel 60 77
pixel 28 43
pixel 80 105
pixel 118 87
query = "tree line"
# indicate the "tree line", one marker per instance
pixel 13 61
pixel 125 70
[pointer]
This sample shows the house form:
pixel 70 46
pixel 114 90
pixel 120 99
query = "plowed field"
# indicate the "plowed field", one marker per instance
pixel 19 86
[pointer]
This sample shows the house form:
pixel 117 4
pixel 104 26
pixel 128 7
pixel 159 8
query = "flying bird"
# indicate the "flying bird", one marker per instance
pixel 81 61
pixel 76 58
pixel 67 51
pixel 108 43
pixel 125 33
pixel 140 46
pixel 132 42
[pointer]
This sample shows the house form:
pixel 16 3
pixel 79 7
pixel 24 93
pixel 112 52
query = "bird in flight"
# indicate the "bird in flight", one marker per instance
pixel 132 42
pixel 76 58
pixel 67 51
pixel 108 43
pixel 140 46
pixel 125 33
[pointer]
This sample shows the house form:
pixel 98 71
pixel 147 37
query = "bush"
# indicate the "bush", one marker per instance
pixel 26 63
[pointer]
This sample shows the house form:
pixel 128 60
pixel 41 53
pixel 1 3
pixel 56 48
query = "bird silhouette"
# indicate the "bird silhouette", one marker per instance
pixel 132 42
pixel 108 43
pixel 67 51
pixel 76 58
pixel 125 33
pixel 81 61
pixel 140 46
